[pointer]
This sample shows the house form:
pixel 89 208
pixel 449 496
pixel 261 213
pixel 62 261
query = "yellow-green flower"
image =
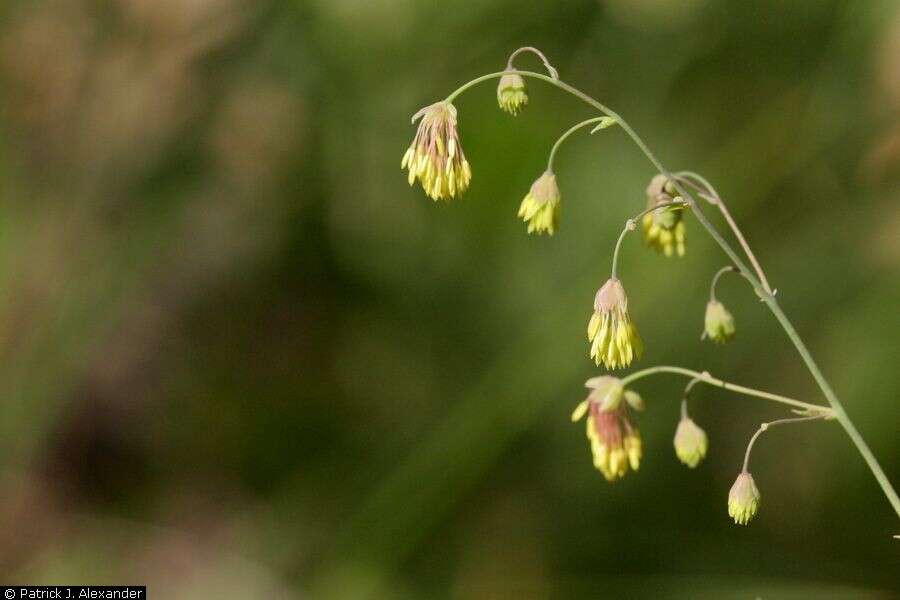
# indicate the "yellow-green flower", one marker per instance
pixel 540 207
pixel 615 341
pixel 435 156
pixel 690 442
pixel 743 499
pixel 663 229
pixel 511 95
pixel 615 441
pixel 718 323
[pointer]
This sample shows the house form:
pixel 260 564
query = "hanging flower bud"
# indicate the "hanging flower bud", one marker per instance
pixel 540 207
pixel 615 341
pixel 690 442
pixel 663 229
pixel 718 324
pixel 615 441
pixel 743 499
pixel 435 156
pixel 511 95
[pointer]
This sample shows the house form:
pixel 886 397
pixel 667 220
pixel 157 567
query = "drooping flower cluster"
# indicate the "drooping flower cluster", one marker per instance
pixel 663 229
pixel 615 341
pixel 511 94
pixel 743 499
pixel 435 156
pixel 615 441
pixel 690 442
pixel 540 207
pixel 718 323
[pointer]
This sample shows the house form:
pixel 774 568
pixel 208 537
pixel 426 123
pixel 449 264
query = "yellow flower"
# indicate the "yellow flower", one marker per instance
pixel 663 229
pixel 540 207
pixel 743 499
pixel 690 442
pixel 435 156
pixel 718 323
pixel 615 341
pixel 511 95
pixel 615 442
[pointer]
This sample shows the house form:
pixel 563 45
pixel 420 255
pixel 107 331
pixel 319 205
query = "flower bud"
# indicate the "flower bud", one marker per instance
pixel 743 499
pixel 511 95
pixel 540 207
pixel 718 323
pixel 614 440
pixel 690 442
pixel 435 158
pixel 663 229
pixel 615 341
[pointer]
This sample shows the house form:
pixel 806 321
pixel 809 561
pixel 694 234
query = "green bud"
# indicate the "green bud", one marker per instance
pixel 690 442
pixel 743 499
pixel 511 95
pixel 718 324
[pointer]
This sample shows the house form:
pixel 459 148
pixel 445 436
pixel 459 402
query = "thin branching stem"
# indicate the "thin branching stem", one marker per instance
pixel 631 224
pixel 705 377
pixel 765 426
pixel 565 135
pixel 715 280
pixel 762 290
pixel 550 68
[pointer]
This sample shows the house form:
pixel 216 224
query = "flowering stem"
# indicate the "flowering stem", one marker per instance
pixel 630 225
pixel 705 377
pixel 714 198
pixel 563 137
pixel 764 426
pixel 553 72
pixel 715 280
pixel 836 407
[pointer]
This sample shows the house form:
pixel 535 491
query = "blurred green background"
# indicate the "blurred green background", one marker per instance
pixel 241 356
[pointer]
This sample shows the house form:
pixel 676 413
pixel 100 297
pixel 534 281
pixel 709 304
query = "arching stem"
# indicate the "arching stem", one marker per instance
pixel 706 378
pixel 565 135
pixel 762 290
pixel 631 225
pixel 715 280
pixel 765 426
pixel 550 68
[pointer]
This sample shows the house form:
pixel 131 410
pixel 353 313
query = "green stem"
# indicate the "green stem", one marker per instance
pixel 726 214
pixel 715 280
pixel 710 380
pixel 839 412
pixel 765 427
pixel 631 224
pixel 563 137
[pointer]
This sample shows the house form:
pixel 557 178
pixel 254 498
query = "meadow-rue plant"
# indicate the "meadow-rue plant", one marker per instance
pixel 690 442
pixel 743 499
pixel 614 339
pixel 615 441
pixel 718 324
pixel 435 158
pixel 511 94
pixel 540 207
pixel 663 229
